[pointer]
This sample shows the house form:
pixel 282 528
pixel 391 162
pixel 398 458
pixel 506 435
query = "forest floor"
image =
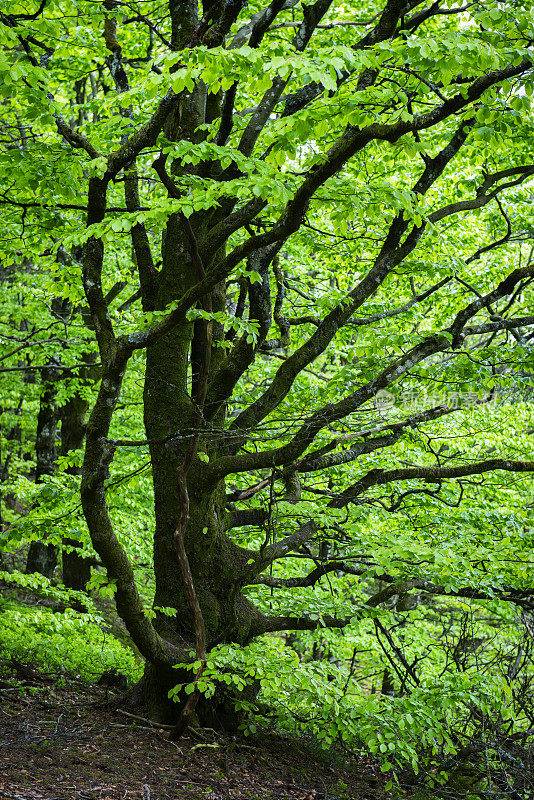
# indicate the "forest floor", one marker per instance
pixel 58 742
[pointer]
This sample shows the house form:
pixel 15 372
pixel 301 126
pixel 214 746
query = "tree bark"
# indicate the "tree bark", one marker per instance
pixel 215 561
pixel 76 568
pixel 42 555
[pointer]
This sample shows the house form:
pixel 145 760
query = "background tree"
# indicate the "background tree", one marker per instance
pixel 311 206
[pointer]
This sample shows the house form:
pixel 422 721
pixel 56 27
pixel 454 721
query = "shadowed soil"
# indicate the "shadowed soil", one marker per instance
pixel 58 743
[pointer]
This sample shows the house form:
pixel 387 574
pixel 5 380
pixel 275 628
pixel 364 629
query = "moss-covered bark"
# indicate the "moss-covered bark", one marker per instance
pixel 43 555
pixel 76 569
pixel 171 416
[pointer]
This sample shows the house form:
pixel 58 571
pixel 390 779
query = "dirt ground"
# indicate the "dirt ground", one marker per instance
pixel 58 743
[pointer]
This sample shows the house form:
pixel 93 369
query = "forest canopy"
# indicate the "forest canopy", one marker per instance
pixel 266 354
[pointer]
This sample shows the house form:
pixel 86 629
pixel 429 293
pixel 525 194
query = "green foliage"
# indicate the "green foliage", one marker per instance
pixel 338 705
pixel 374 261
pixel 63 642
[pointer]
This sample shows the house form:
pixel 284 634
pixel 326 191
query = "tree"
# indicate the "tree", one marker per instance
pixel 210 151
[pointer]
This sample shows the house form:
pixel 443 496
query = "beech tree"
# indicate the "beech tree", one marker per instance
pixel 305 210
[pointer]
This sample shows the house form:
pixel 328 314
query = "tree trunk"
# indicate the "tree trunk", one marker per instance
pixel 42 556
pixel 215 561
pixel 76 568
pixel 218 711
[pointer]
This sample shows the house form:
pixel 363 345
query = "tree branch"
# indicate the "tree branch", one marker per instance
pixel 434 474
pixel 265 556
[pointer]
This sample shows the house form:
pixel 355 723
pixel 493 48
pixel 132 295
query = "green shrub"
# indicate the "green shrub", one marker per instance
pixel 66 641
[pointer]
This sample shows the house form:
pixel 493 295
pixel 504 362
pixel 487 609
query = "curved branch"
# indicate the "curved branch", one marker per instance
pixel 247 516
pixel 321 460
pixel 304 623
pixel 521 597
pixel 434 474
pixel 265 556
pixel 497 243
pixel 310 579
pixel 483 198
pixel 98 456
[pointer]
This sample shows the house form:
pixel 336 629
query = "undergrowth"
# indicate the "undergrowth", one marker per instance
pixel 69 642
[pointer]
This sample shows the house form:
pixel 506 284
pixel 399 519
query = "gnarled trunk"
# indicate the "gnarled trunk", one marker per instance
pixel 43 555
pixel 76 568
pixel 171 416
